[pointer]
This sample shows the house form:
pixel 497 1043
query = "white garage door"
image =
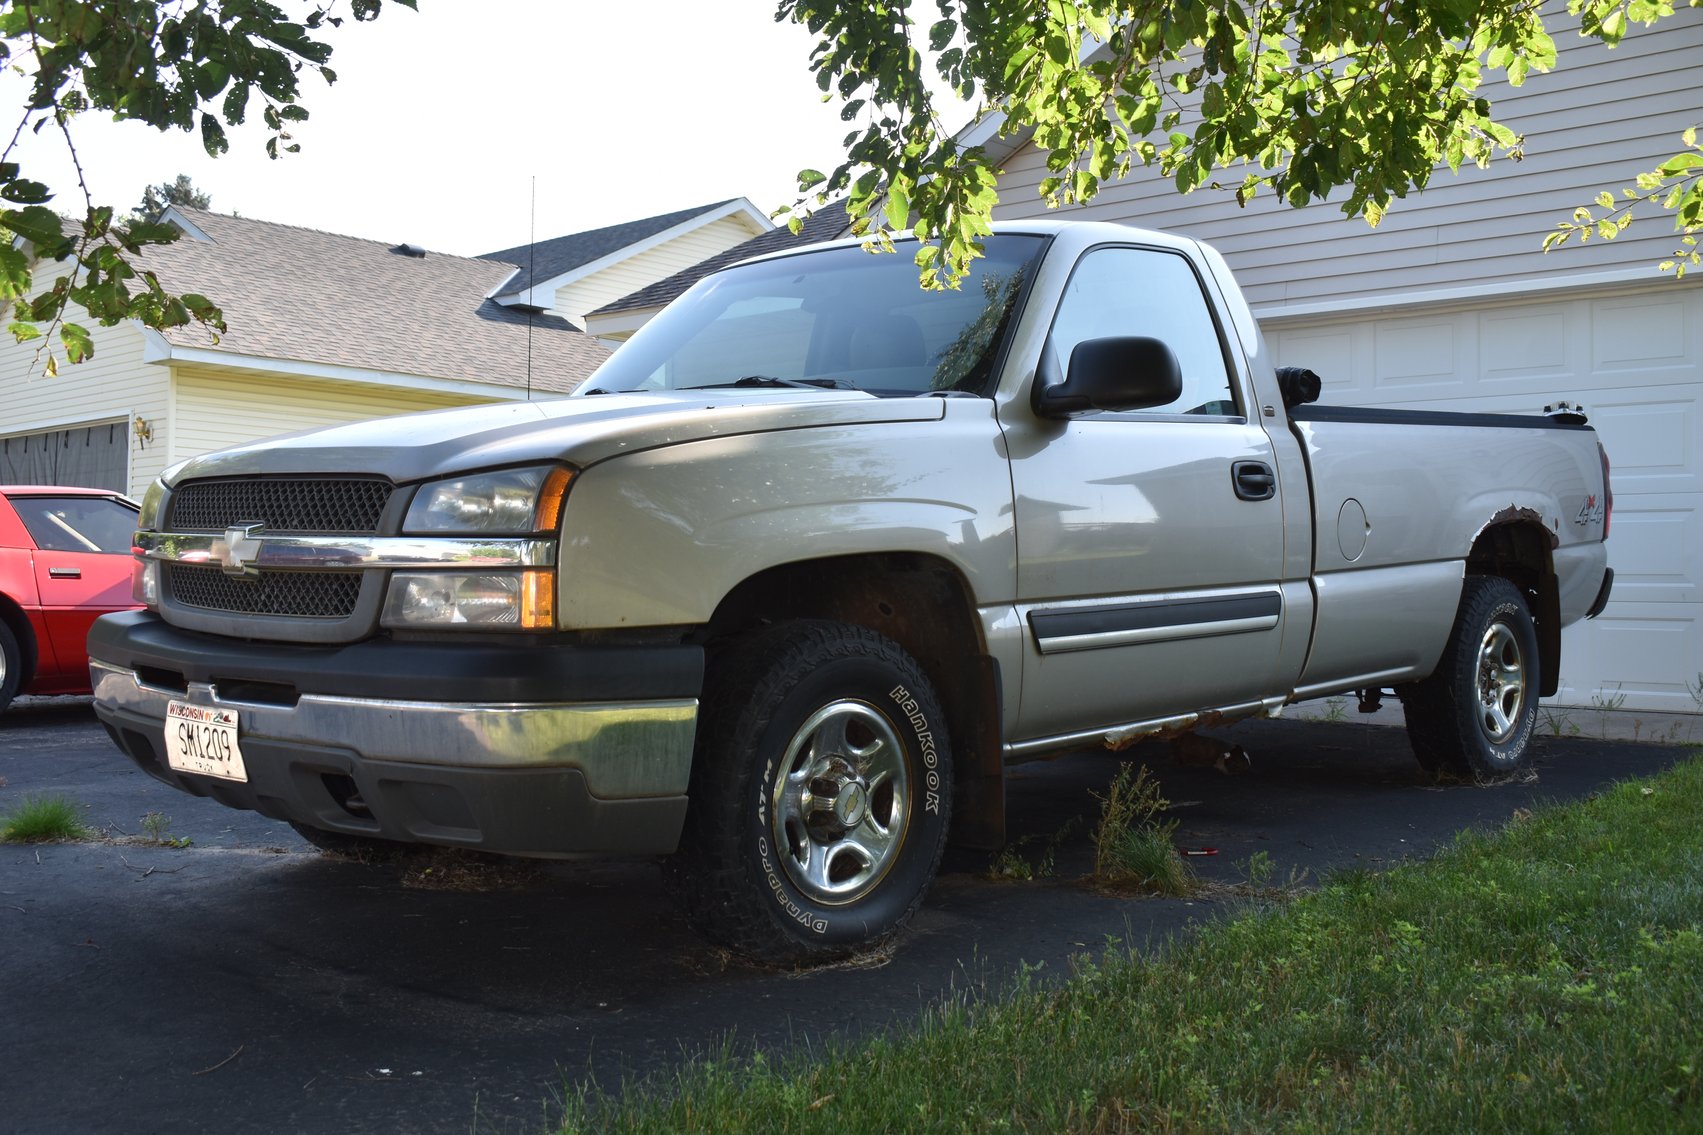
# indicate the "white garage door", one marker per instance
pixel 1632 359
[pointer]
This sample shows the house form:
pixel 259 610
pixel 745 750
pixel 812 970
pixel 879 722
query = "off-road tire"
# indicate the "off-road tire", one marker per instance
pixel 738 872
pixel 1467 719
pixel 11 666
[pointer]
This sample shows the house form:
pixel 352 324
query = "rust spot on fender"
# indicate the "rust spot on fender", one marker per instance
pixel 1515 513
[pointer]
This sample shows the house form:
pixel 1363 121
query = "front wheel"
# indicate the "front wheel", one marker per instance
pixel 821 793
pixel 1475 714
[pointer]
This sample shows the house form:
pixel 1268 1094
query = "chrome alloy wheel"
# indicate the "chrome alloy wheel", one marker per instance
pixel 841 802
pixel 1501 682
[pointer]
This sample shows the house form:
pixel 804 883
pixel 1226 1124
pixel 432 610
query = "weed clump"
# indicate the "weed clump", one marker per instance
pixel 1132 845
pixel 43 819
pixel 156 829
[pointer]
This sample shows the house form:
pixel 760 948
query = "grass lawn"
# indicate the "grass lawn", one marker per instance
pixel 1548 977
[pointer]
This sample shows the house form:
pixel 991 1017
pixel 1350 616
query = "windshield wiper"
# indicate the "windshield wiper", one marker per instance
pixel 771 381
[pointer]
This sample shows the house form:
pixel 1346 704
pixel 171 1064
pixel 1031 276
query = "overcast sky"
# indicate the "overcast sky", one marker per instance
pixel 440 120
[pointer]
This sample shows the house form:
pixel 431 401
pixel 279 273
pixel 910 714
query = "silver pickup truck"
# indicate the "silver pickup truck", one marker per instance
pixel 786 585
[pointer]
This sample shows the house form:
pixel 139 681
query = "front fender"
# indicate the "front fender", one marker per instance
pixel 657 538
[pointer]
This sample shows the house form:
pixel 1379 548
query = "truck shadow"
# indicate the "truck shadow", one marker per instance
pixel 352 990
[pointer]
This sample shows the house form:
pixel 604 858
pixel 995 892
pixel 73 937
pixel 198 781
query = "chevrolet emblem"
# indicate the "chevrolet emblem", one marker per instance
pixel 241 548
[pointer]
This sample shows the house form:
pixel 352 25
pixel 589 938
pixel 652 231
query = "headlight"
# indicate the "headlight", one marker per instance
pixel 472 600
pixel 149 518
pixel 145 582
pixel 512 502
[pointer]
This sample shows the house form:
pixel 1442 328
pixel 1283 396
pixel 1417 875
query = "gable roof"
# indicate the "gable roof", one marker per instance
pixel 551 263
pixel 299 295
pixel 826 223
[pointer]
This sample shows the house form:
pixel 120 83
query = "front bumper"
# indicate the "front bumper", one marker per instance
pixel 539 749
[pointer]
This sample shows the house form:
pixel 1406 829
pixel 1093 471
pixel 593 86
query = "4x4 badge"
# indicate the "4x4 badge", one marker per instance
pixel 240 549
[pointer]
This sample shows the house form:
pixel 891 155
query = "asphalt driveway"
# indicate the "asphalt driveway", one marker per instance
pixel 249 983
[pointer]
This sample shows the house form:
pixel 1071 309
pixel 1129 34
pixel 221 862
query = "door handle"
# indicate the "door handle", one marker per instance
pixel 64 573
pixel 1253 480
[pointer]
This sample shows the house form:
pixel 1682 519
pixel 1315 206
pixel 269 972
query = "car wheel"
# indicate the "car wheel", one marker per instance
pixel 11 666
pixel 820 797
pixel 1474 716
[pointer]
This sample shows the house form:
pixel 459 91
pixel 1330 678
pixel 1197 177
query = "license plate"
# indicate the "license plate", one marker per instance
pixel 203 740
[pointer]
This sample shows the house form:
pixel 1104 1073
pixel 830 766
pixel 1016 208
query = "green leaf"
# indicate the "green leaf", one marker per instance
pixel 213 136
pixel 37 224
pixel 898 207
pixel 78 345
pixel 941 34
pixel 25 192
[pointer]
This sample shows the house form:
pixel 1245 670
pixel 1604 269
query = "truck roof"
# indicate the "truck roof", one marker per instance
pixel 1085 232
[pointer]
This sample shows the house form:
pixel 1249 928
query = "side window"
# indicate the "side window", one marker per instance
pixel 1141 291
pixel 78 524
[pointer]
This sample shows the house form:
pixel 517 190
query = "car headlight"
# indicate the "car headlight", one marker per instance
pixel 472 600
pixel 512 502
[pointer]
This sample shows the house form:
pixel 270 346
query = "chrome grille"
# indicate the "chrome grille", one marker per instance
pixel 283 504
pixel 303 594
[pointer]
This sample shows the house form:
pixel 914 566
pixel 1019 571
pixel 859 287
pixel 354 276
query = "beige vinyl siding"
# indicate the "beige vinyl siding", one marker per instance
pixel 115 384
pixel 582 296
pixel 217 408
pixel 1592 124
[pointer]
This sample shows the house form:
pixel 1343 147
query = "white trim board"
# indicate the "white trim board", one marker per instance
pixel 530 297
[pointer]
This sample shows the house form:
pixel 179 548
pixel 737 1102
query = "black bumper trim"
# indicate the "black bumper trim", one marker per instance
pixel 536 812
pixel 1602 595
pixel 531 670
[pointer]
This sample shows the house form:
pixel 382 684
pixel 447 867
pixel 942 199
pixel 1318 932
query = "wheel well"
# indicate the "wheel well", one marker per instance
pixel 1521 554
pixel 923 604
pixel 13 616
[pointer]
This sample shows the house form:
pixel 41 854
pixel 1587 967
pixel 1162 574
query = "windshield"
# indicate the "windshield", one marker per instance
pixel 78 524
pixel 840 318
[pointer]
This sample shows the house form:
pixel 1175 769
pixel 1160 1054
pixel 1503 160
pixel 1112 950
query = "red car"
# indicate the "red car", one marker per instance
pixel 64 561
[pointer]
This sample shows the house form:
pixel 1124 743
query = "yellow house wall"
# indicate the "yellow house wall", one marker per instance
pixel 575 300
pixel 216 408
pixel 115 384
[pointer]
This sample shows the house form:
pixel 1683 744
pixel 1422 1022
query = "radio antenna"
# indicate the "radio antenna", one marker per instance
pixel 531 280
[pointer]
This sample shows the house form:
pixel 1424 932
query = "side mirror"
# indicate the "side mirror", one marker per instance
pixel 1124 372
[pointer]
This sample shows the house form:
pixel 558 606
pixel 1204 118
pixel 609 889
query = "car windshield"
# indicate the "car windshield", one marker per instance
pixel 78 524
pixel 840 318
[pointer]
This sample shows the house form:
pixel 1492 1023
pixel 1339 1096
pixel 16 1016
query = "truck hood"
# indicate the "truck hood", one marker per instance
pixel 582 431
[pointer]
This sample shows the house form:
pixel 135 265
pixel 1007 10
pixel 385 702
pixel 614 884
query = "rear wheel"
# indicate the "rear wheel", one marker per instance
pixel 821 792
pixel 1475 714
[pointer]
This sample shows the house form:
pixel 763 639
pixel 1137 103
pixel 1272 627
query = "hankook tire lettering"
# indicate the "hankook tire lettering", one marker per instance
pixel 925 737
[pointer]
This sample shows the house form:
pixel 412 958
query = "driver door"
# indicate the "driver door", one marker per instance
pixel 1150 543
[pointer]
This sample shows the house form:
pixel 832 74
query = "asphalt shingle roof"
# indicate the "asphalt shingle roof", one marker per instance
pixel 826 223
pixel 299 294
pixel 552 258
